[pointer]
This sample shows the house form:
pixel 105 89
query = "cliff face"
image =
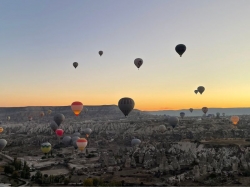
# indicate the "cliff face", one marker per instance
pixel 21 114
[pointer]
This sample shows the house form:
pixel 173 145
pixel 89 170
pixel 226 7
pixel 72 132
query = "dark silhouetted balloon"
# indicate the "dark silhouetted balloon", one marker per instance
pixel 53 126
pixel 59 118
pixel 182 114
pixel 75 64
pixel 100 53
pixel 180 49
pixel 204 109
pixel 191 109
pixel 135 142
pixel 173 121
pixel 3 143
pixel 126 105
pixel 138 62
pixel 201 89
pixel 196 91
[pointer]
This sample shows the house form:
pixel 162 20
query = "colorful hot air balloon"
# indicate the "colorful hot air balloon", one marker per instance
pixel 59 132
pixel 45 147
pixel 182 114
pixel 77 107
pixel 1 129
pixel 100 53
pixel 235 119
pixel 204 109
pixel 75 64
pixel 42 114
pixel 180 49
pixel 191 109
pixel 138 62
pixel 81 143
pixel 126 105
pixel 201 89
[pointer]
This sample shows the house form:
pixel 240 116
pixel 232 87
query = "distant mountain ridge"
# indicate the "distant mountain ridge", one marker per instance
pixel 198 112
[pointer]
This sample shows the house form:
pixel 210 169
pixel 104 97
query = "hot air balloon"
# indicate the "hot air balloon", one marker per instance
pixel 1 129
pixel 100 53
pixel 42 114
pixel 126 105
pixel 201 89
pixel 81 143
pixel 191 109
pixel 218 115
pixel 75 64
pixel 30 118
pixel 135 142
pixel 87 132
pixel 49 111
pixel 53 126
pixel 173 121
pixel 182 114
pixel 3 143
pixel 76 134
pixel 235 119
pixel 162 128
pixel 180 49
pixel 138 62
pixel 204 109
pixel 196 91
pixel 59 132
pixel 46 147
pixel 74 139
pixel 77 107
pixel 8 118
pixel 59 118
pixel 85 110
pixel 66 140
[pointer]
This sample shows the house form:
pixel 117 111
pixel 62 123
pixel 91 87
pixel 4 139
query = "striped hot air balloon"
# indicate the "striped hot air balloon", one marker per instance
pixel 77 107
pixel 81 143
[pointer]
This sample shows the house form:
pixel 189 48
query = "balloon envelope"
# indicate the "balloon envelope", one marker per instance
pixel 162 128
pixel 53 126
pixel 201 89
pixel 3 143
pixel 135 142
pixel 235 119
pixel 59 118
pixel 42 114
pixel 138 62
pixel 76 107
pixel 204 109
pixel 126 105
pixel 59 132
pixel 182 114
pixel 191 109
pixel 81 143
pixel 100 53
pixel 173 121
pixel 180 49
pixel 1 129
pixel 75 64
pixel 76 134
pixel 196 91
pixel 87 131
pixel 46 147
pixel 66 140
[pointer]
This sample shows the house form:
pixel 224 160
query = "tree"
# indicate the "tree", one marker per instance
pixel 95 181
pixel 66 181
pixel 15 175
pixel 88 182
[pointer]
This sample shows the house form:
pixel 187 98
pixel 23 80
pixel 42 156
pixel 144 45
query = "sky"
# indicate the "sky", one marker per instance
pixel 40 40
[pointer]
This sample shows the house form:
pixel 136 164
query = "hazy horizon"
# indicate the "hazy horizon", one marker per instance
pixel 41 39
